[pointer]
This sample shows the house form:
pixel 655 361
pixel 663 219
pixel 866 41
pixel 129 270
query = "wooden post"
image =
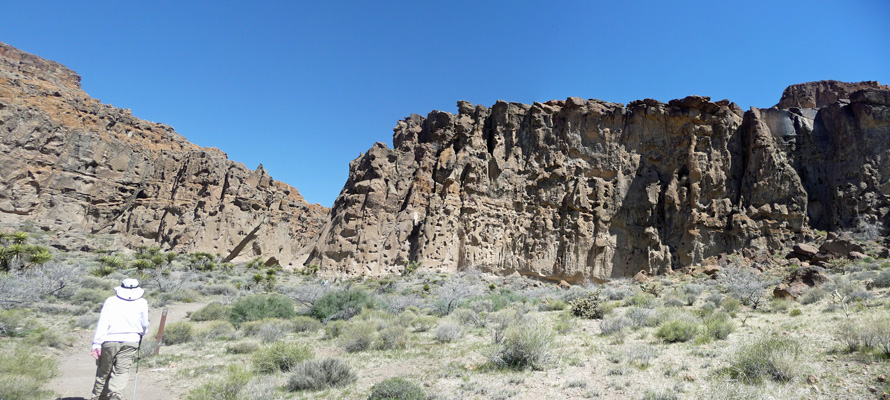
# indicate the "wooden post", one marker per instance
pixel 161 330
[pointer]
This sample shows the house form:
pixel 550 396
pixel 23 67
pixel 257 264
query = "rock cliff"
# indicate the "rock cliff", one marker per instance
pixel 590 190
pixel 80 169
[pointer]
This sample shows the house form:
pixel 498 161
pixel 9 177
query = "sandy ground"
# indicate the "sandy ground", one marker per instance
pixel 77 369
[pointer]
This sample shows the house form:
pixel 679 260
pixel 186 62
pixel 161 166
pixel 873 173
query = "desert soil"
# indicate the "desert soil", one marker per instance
pixel 77 369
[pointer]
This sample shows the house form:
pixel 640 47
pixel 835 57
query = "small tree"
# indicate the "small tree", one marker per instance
pixel 743 285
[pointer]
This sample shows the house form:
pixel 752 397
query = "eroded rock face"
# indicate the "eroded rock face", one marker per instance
pixel 822 93
pixel 590 190
pixel 73 166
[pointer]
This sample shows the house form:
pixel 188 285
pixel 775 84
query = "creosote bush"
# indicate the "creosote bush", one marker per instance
pixel 23 373
pixel 397 389
pixel 320 374
pixel 303 323
pixel 448 331
pixel 178 332
pixel 281 356
pixel 358 336
pixel 211 312
pixel 526 344
pixel 770 357
pixel 261 306
pixel 341 305
pixel 678 330
pixel 230 387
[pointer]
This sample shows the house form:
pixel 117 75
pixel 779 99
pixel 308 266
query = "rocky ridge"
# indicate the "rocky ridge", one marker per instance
pixel 581 189
pixel 95 177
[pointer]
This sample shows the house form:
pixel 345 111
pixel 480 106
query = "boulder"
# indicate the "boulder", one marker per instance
pixel 641 276
pixel 800 280
pixel 841 246
pixel 806 250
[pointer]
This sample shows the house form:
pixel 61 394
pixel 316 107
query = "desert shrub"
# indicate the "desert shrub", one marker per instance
pixel 219 290
pixel 320 374
pixel 553 305
pixel 448 331
pixel 91 282
pixel 640 356
pixel 303 323
pixel 714 298
pixel 50 338
pixel 259 306
pixel 527 344
pixel 340 305
pixel 217 330
pixel 87 321
pixel 564 323
pixel 468 317
pixel 731 305
pixel 15 323
pixel 423 323
pixel 589 307
pixel 811 296
pixel 795 312
pixel 778 305
pixel 480 306
pixel 882 280
pixel 333 329
pixel 718 326
pixel 770 357
pixel 678 330
pixel 23 373
pixel 617 293
pixel 392 337
pixel 641 317
pixel 178 332
pixel 692 291
pixel 211 312
pixel 280 356
pixel 864 334
pixel 742 285
pixel 640 299
pixel 397 389
pixel 357 336
pixel 230 387
pixel 500 300
pixel 498 322
pixel 672 301
pixel 90 297
pixel 614 324
pixel 452 293
pixel 242 347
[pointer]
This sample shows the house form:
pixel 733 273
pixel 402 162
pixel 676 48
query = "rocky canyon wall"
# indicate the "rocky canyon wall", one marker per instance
pixel 591 190
pixel 95 176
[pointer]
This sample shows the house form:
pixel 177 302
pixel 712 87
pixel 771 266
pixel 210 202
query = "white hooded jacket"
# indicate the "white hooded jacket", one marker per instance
pixel 121 321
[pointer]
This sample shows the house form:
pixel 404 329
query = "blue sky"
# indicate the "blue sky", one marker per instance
pixel 305 87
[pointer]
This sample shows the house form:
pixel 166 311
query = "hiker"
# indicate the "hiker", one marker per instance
pixel 122 322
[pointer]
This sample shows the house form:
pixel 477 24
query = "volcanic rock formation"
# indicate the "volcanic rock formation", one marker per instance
pixel 73 166
pixel 590 190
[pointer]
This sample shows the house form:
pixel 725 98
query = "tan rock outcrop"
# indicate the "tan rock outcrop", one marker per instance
pixel 81 169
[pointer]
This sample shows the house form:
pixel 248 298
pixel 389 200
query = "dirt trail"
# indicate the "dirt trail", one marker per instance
pixel 77 369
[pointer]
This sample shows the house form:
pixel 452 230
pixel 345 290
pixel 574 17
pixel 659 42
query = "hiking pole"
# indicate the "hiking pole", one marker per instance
pixel 138 356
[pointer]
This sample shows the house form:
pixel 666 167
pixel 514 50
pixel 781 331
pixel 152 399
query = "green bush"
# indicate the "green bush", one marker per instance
pixel 217 330
pixel 731 305
pixel 242 348
pixel 393 337
pixel 677 330
pixel 229 387
pixel 812 295
pixel 281 356
pixel 883 279
pixel 424 323
pixel 211 312
pixel 23 373
pixel 178 332
pixel 357 337
pixel 261 306
pixel 15 323
pixel 589 307
pixel 303 323
pixel 526 344
pixel 269 329
pixel 90 297
pixel 770 357
pixel 333 329
pixel 718 326
pixel 397 389
pixel 448 331
pixel 320 374
pixel 341 305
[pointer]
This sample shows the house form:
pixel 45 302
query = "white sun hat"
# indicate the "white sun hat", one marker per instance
pixel 129 290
